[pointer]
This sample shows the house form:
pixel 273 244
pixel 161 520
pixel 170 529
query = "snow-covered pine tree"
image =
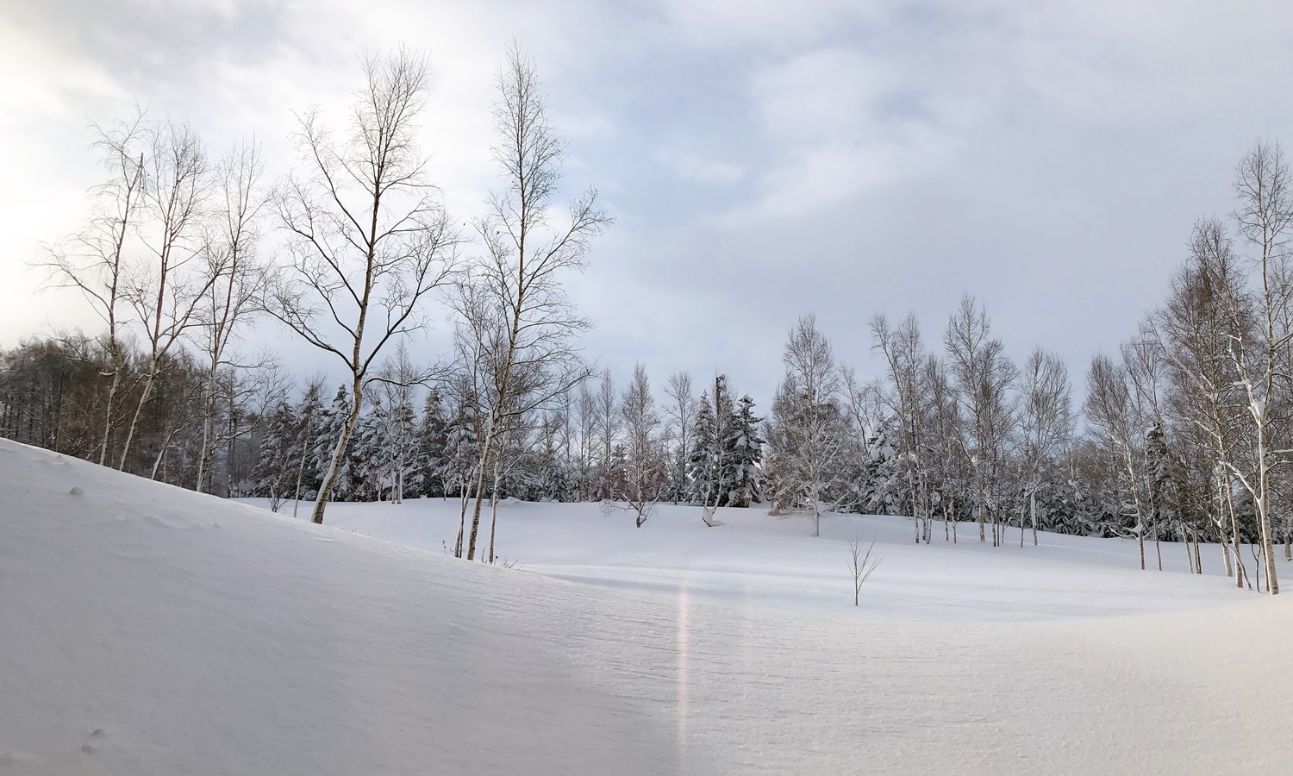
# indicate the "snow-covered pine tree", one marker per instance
pixel 276 462
pixel 882 483
pixel 461 451
pixel 700 463
pixel 430 468
pixel 744 454
pixel 308 414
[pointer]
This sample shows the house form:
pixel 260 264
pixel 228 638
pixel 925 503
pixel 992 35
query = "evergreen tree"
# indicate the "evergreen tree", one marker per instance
pixel 461 450
pixel 700 465
pixel 744 450
pixel 431 468
pixel 276 463
pixel 309 415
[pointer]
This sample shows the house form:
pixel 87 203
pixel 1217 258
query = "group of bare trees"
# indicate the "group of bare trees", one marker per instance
pixel 962 435
pixel 1193 420
pixel 172 260
pixel 168 261
pixel 1188 432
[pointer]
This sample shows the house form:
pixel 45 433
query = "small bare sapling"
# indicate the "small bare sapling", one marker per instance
pixel 861 565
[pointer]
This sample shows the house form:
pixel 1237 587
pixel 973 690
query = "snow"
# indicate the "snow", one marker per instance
pixel 149 630
pixel 768 562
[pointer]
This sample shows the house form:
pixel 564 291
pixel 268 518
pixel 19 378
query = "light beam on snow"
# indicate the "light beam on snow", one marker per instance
pixel 681 668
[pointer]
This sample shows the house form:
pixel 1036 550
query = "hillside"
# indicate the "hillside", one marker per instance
pixel 149 630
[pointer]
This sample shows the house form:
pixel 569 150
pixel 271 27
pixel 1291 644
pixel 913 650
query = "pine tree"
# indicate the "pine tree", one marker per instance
pixel 430 468
pixel 882 483
pixel 309 414
pixel 744 449
pixel 700 466
pixel 461 450
pixel 275 465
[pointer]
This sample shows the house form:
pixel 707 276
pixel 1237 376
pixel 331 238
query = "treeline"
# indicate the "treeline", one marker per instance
pixel 1183 436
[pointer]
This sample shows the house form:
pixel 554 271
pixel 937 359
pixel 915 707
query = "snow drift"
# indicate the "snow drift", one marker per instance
pixel 149 630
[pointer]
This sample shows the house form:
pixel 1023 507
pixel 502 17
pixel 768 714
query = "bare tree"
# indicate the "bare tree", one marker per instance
pixel 644 477
pixel 396 383
pixel 476 342
pixel 984 376
pixel 1045 422
pixel 165 294
pixel 95 261
pixel 236 280
pixel 1143 364
pixel 367 240
pixel 1204 314
pixel 681 411
pixel 526 259
pixel 948 464
pixel 807 436
pixel 905 355
pixel 1111 414
pixel 587 431
pixel 1265 218
pixel 607 424
pixel 861 566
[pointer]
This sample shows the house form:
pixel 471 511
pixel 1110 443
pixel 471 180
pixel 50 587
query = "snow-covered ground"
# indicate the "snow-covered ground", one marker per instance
pixel 753 560
pixel 149 630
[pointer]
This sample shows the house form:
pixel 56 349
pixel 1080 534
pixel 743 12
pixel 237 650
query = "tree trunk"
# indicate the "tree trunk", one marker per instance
pixel 338 453
pixel 493 512
pixel 1033 506
pixel 1241 573
pixel 134 420
pixel 208 420
pixel 111 405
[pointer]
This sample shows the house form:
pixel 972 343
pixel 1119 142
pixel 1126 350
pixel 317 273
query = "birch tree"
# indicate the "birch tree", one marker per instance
pixel 681 411
pixel 163 291
pixel 1265 219
pixel 807 434
pixel 644 476
pixel 95 262
pixel 1045 422
pixel 235 278
pixel 526 258
pixel 904 355
pixel 984 376
pixel 366 239
pixel 1111 415
pixel 1204 314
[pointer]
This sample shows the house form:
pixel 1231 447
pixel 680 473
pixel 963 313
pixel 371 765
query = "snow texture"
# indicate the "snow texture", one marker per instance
pixel 145 629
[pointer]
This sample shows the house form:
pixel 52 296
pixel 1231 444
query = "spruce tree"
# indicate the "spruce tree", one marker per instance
pixel 744 453
pixel 275 464
pixel 700 465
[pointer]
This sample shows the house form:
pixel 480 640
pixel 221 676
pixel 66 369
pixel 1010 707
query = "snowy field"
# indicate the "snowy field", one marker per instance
pixel 753 560
pixel 145 629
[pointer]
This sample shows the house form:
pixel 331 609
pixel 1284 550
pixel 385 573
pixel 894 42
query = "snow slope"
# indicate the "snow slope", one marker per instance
pixel 148 630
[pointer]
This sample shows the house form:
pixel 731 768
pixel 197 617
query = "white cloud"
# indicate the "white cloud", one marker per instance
pixel 698 168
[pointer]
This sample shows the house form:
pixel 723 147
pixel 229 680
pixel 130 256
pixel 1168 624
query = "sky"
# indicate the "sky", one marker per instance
pixel 762 161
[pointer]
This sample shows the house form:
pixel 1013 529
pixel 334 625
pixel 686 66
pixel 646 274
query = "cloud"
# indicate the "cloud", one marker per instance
pixel 845 158
pixel 696 168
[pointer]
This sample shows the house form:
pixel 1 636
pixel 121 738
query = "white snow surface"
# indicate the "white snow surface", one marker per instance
pixel 145 629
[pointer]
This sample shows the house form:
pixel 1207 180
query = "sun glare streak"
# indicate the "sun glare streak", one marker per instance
pixel 681 669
